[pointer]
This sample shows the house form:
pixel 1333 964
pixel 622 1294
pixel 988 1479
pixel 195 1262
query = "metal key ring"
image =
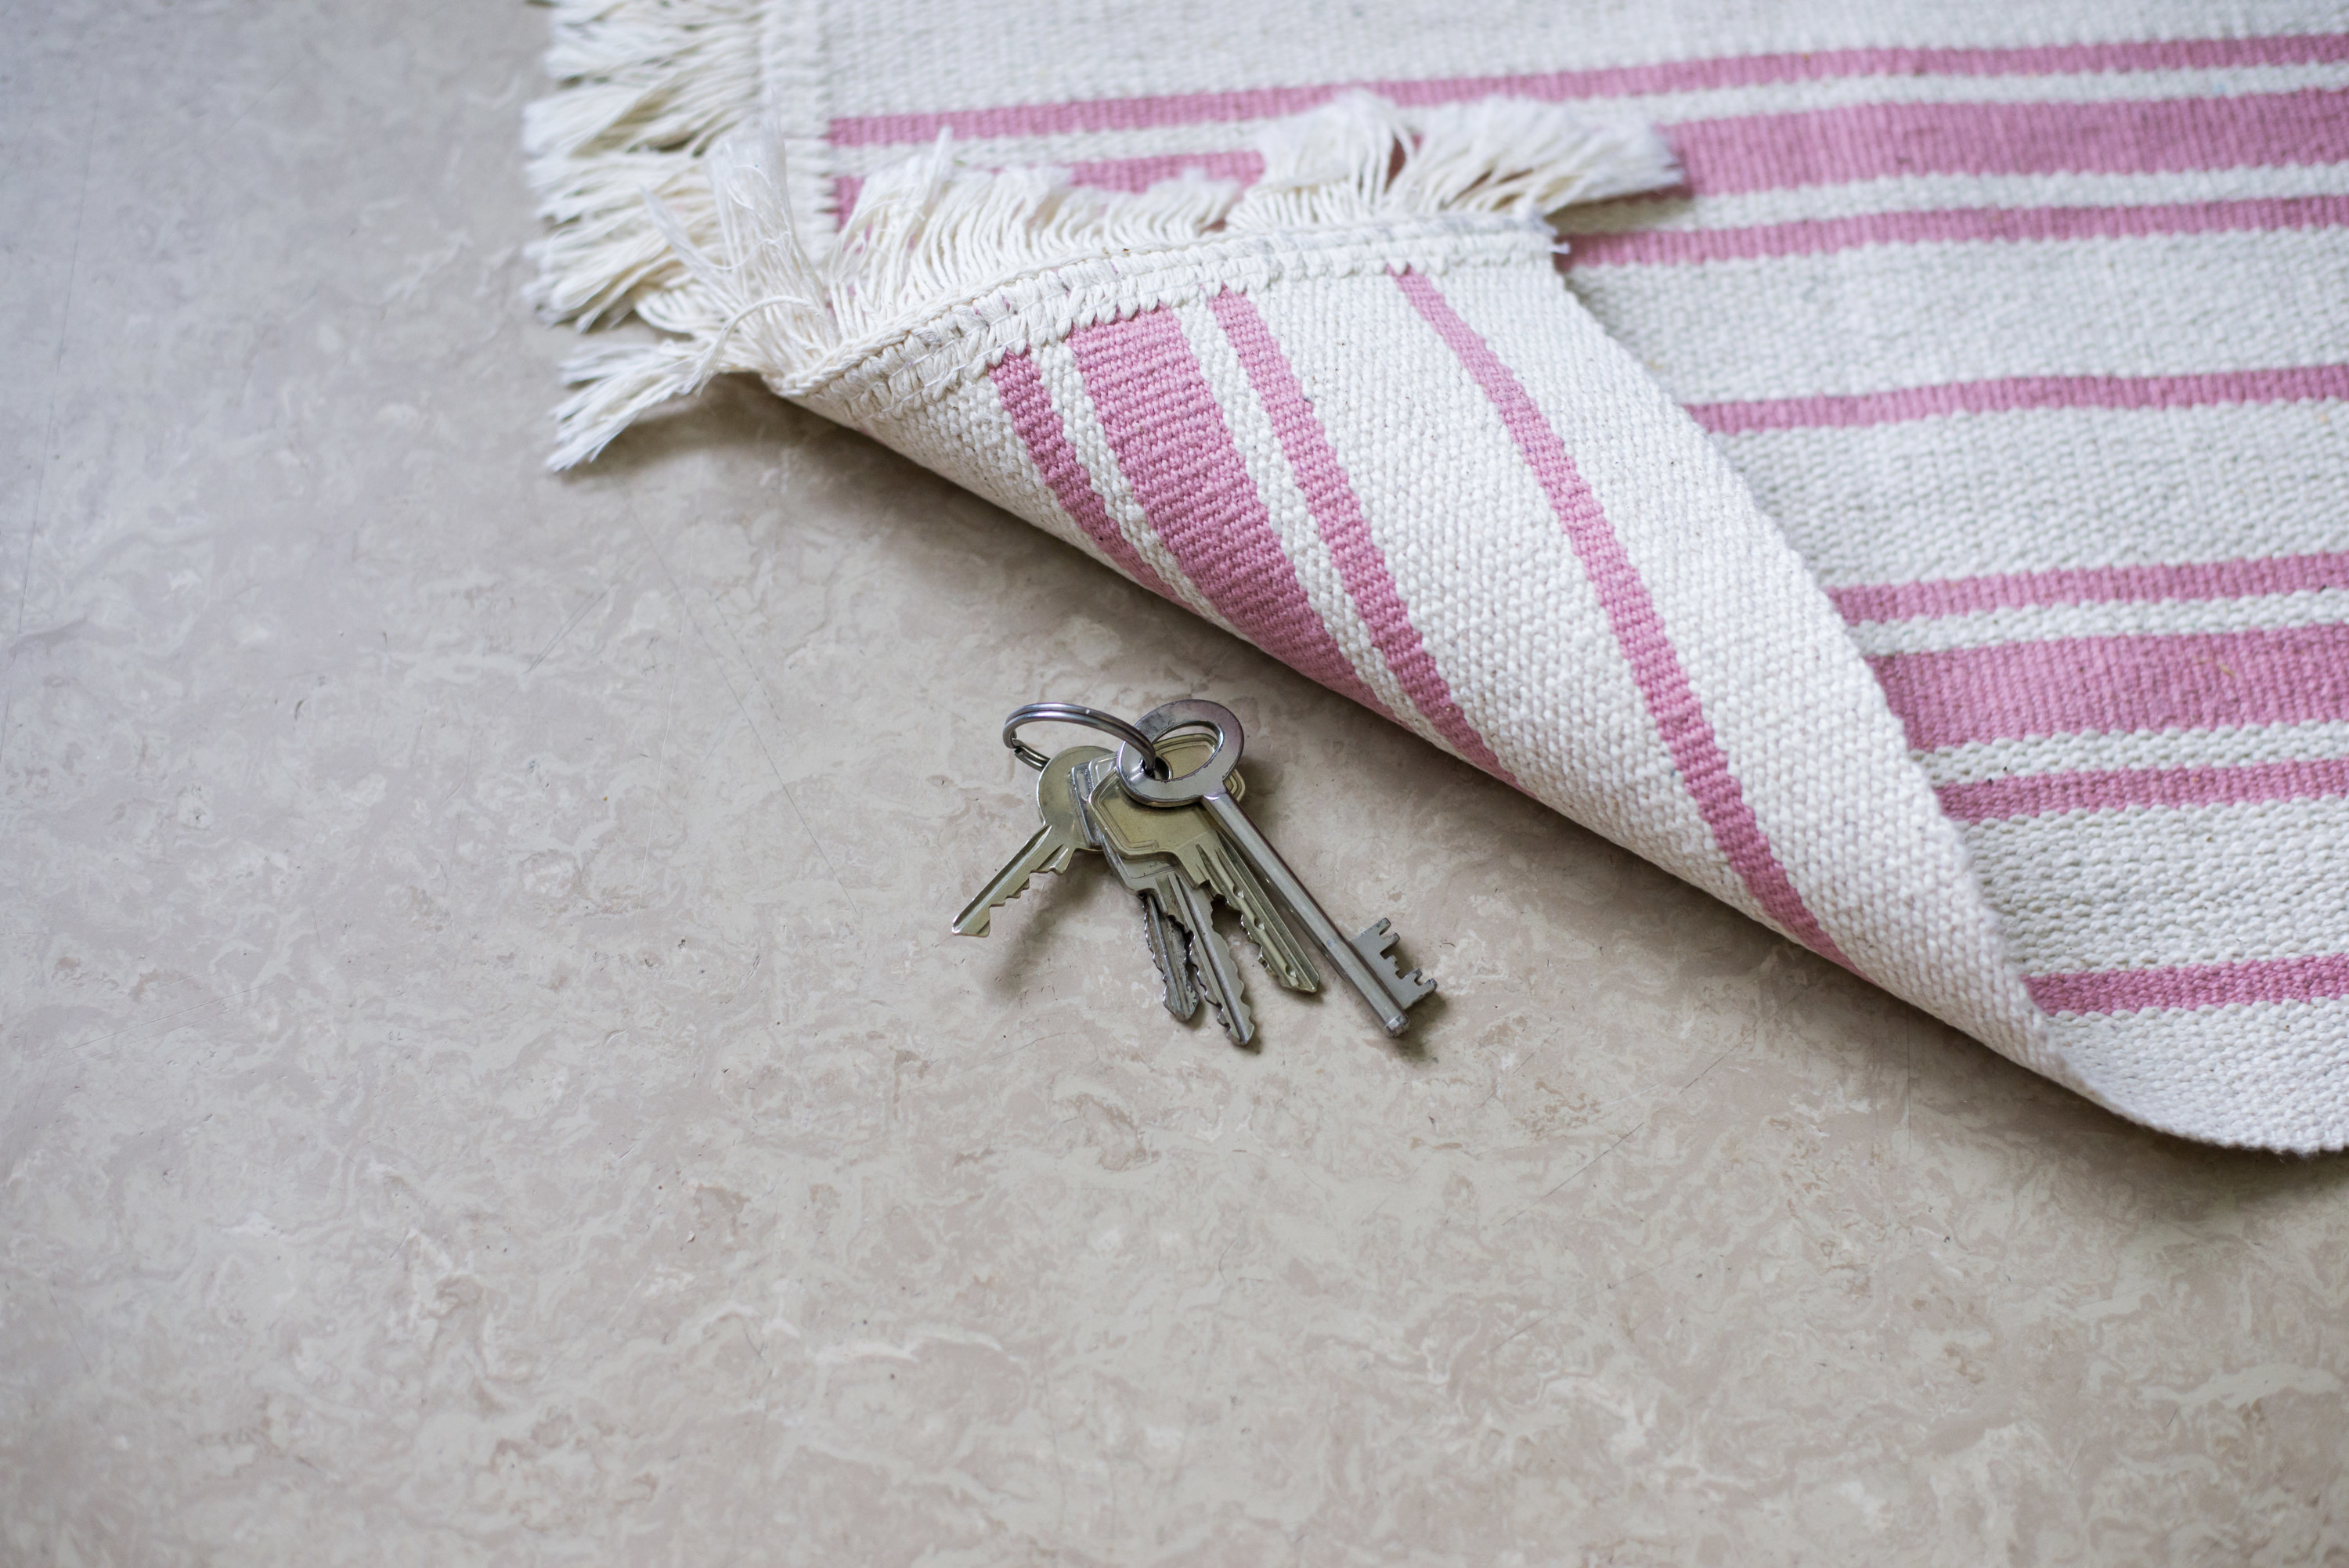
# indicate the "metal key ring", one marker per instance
pixel 1153 789
pixel 1072 713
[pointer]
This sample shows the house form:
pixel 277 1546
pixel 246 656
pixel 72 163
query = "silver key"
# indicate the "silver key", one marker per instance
pixel 1065 831
pixel 1187 906
pixel 1189 835
pixel 1366 961
pixel 1056 842
pixel 1212 965
pixel 1168 947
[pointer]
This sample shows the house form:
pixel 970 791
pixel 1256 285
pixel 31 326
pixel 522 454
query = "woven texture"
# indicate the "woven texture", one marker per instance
pixel 2022 690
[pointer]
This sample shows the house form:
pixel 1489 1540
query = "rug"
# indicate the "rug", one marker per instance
pixel 1918 515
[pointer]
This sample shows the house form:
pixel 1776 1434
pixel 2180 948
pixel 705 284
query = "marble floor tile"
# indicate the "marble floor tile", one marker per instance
pixel 488 1078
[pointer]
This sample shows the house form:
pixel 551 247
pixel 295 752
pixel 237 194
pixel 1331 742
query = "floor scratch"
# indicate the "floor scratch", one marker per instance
pixel 661 560
pixel 576 616
pixel 49 427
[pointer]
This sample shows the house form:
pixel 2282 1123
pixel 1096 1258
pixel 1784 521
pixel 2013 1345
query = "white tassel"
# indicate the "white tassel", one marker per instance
pixel 931 229
pixel 757 303
pixel 927 230
pixel 711 252
pixel 619 383
pixel 1358 158
pixel 644 74
pixel 605 255
pixel 646 87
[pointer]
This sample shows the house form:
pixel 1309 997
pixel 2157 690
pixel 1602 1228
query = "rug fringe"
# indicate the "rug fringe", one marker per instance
pixel 1358 159
pixel 644 87
pixel 715 258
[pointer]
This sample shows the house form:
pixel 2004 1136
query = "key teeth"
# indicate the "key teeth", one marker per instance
pixel 981 921
pixel 1284 959
pixel 1282 968
pixel 1172 953
pixel 1376 945
pixel 1239 1025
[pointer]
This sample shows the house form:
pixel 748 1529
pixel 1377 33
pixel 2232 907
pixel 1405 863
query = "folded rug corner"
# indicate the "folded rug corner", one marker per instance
pixel 1301 360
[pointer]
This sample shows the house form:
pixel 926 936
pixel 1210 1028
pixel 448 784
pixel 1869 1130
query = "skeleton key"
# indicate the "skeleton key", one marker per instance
pixel 1190 835
pixel 1365 961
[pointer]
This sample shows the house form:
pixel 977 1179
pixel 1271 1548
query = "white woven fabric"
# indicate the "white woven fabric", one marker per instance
pixel 2025 688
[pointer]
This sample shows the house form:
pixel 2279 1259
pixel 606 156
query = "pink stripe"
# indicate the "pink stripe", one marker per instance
pixel 1870 141
pixel 1018 383
pixel 1879 140
pixel 1329 495
pixel 2314 979
pixel 1177 453
pixel 1614 81
pixel 2091 585
pixel 1997 799
pixel 2074 685
pixel 1671 699
pixel 1964 225
pixel 2292 384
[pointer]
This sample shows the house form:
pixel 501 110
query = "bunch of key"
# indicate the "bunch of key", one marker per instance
pixel 1164 811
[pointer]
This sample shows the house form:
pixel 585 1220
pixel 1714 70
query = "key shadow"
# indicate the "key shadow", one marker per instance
pixel 1036 919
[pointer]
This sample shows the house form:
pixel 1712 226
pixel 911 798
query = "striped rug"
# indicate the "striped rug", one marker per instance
pixel 2028 325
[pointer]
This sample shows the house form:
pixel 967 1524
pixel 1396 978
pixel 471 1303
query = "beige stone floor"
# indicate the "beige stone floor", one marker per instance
pixel 487 1078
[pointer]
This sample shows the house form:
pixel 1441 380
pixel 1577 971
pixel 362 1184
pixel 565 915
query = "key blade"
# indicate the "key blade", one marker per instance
pixel 1285 957
pixel 1189 972
pixel 1376 945
pixel 1190 835
pixel 1064 833
pixel 1253 848
pixel 1211 956
pixel 1048 850
pixel 1174 960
